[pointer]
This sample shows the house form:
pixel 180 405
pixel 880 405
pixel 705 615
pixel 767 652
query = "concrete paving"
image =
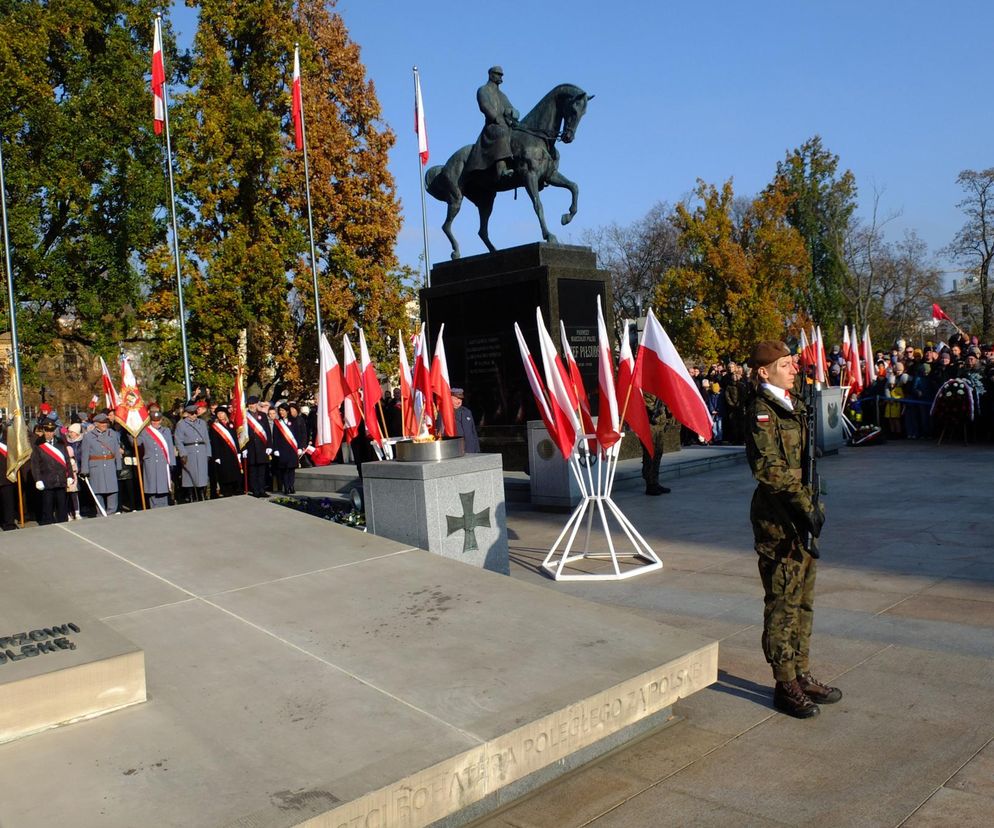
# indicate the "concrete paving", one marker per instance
pixel 904 625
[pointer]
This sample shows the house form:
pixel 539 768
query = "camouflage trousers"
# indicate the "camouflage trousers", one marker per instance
pixel 789 587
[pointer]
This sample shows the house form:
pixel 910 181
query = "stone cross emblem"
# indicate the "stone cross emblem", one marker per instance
pixel 469 522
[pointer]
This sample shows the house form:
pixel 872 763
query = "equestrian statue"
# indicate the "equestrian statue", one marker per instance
pixel 510 153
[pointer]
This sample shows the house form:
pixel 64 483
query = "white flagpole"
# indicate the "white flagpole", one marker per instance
pixel 307 187
pixel 172 210
pixel 421 177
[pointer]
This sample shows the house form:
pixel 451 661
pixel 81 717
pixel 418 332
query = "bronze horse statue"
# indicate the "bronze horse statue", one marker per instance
pixel 534 165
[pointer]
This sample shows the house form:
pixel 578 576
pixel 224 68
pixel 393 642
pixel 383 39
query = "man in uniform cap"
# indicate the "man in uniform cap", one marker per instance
pixel 50 468
pixel 158 455
pixel 100 460
pixel 783 515
pixel 465 424
pixel 259 448
pixel 193 450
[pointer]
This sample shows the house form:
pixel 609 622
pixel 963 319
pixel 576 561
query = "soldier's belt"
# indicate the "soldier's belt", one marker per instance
pixel 101 457
pixel 198 443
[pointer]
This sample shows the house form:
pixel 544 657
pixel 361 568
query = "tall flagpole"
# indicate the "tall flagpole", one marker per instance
pixel 307 187
pixel 419 115
pixel 11 305
pixel 172 209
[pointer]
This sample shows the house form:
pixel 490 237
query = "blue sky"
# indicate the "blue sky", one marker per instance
pixel 898 90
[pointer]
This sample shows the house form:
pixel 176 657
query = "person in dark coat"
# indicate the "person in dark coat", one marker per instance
pixel 155 444
pixel 50 467
pixel 465 424
pixel 286 447
pixel 226 457
pixel 259 448
pixel 193 449
pixel 100 460
pixel 8 490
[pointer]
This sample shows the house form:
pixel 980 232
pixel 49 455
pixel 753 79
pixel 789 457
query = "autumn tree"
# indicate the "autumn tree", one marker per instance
pixel 974 243
pixel 83 171
pixel 822 203
pixel 737 281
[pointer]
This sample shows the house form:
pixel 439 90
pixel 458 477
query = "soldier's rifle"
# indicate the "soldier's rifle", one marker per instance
pixel 809 472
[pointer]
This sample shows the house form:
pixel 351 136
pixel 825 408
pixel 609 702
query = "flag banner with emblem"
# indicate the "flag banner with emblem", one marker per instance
pixel 18 439
pixel 130 411
pixel 660 371
pixel 239 410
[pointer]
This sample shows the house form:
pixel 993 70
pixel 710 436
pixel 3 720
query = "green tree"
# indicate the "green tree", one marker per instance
pixel 84 173
pixel 739 274
pixel 823 201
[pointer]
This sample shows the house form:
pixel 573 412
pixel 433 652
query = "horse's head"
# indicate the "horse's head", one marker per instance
pixel 572 107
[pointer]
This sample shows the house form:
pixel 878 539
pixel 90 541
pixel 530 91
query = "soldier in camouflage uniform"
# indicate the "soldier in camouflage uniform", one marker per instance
pixel 784 517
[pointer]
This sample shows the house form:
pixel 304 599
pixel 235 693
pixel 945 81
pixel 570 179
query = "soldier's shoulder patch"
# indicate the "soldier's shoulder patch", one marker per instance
pixel 762 418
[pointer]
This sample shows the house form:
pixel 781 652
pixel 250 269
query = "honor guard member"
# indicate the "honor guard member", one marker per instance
pixel 193 449
pixel 158 455
pixel 226 458
pixel 50 467
pixel 784 516
pixel 259 448
pixel 286 448
pixel 100 461
pixel 465 424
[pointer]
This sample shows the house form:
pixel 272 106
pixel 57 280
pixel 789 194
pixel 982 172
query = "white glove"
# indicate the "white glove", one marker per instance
pixel 245 454
pixel 299 452
pixel 39 485
pixel 276 454
pixel 218 461
pixel 268 452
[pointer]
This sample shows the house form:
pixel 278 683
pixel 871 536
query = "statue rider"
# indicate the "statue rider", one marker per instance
pixel 493 147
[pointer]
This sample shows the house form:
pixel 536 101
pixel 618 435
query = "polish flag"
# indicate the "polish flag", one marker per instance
pixel 868 366
pixel 419 120
pixel 297 103
pixel 804 351
pixel 576 381
pixel 846 346
pixel 421 381
pixel 608 423
pixel 158 80
pixel 820 358
pixel 239 417
pixel 538 391
pixel 855 369
pixel 110 393
pixel 130 411
pixel 938 314
pixel 630 393
pixel 408 419
pixel 441 387
pixel 351 386
pixel 563 411
pixel 371 393
pixel 331 395
pixel 661 372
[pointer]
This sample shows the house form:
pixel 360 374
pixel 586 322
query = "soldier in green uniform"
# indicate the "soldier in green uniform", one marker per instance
pixel 785 523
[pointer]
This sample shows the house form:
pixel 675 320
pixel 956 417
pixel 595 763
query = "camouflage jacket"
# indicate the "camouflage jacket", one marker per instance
pixel 775 442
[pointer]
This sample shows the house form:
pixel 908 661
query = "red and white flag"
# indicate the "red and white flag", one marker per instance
pixel 661 372
pixel 576 380
pixel 938 314
pixel 855 369
pixel 820 358
pixel 130 411
pixel 352 386
pixel 110 393
pixel 239 411
pixel 371 393
pixel 538 391
pixel 331 395
pixel 846 346
pixel 560 402
pixel 408 419
pixel 608 423
pixel 419 120
pixel 630 393
pixel 868 363
pixel 441 387
pixel 297 103
pixel 158 80
pixel 421 380
pixel 804 351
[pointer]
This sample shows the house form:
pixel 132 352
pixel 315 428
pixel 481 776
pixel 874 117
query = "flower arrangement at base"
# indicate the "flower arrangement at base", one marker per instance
pixel 953 404
pixel 327 509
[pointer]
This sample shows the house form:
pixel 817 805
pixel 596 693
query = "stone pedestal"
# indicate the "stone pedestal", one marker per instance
pixel 454 508
pixel 479 299
pixel 829 432
pixel 58 664
pixel 553 486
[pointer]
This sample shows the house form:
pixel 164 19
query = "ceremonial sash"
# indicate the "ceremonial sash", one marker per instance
pixel 55 453
pixel 258 428
pixel 3 449
pixel 228 439
pixel 287 434
pixel 156 435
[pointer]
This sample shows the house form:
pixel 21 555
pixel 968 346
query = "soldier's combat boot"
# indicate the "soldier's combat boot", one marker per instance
pixel 790 699
pixel 818 692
